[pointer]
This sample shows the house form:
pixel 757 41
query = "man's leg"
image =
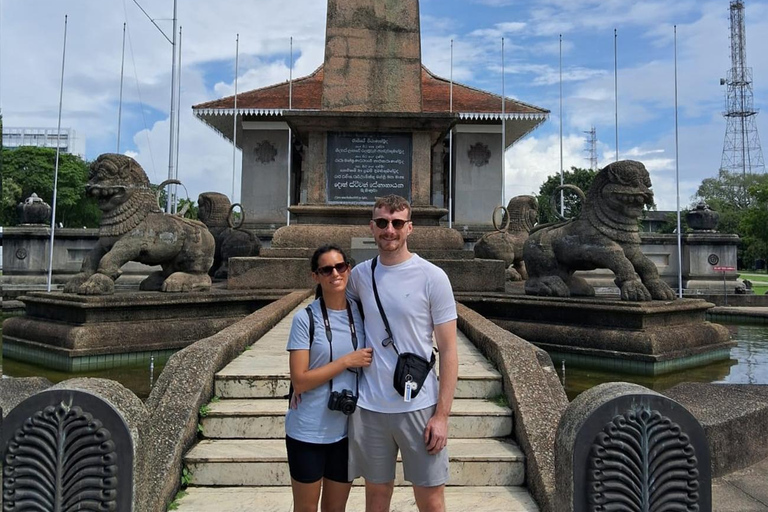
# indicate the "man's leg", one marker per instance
pixel 430 499
pixel 373 455
pixel 428 473
pixel 378 496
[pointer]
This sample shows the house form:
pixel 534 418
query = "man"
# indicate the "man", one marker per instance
pixel 417 299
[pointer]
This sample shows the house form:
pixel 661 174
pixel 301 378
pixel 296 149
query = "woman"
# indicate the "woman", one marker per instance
pixel 326 352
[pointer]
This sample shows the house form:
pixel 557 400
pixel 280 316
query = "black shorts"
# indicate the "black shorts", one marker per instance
pixel 309 462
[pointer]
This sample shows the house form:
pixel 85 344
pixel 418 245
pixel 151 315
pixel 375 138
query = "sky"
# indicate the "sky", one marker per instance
pixel 32 35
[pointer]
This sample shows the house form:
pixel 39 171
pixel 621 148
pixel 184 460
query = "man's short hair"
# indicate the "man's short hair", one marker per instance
pixel 394 203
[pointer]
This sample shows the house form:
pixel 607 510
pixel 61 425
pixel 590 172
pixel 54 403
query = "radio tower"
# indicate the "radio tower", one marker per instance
pixel 741 149
pixel 591 148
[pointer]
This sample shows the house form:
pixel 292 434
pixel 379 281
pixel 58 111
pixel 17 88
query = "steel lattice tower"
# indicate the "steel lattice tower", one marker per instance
pixel 741 149
pixel 591 148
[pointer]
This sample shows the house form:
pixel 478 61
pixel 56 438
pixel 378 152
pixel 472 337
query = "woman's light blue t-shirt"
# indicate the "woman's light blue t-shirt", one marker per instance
pixel 312 421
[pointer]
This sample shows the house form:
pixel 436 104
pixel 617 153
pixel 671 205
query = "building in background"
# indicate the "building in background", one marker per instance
pixel 67 139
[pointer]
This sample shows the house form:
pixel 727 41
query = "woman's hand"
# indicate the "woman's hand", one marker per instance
pixel 359 358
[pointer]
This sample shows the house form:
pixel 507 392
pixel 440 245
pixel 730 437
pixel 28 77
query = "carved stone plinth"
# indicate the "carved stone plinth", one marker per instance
pixel 72 332
pixel 649 338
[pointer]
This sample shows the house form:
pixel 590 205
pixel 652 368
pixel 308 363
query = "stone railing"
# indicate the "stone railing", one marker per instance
pixel 534 393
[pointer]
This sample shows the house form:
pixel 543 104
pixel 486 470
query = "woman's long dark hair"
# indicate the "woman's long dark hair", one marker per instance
pixel 314 261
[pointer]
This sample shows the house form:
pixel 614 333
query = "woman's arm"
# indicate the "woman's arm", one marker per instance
pixel 304 379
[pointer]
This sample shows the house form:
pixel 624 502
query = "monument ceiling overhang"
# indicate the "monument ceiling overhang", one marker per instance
pixel 303 97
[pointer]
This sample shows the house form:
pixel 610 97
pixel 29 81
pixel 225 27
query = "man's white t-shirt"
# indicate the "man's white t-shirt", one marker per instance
pixel 416 295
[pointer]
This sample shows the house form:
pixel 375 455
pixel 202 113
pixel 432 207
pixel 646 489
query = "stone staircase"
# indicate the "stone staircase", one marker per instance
pixel 241 465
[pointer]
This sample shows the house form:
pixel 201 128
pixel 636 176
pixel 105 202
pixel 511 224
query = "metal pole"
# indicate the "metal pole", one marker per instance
pixel 178 129
pixel 503 130
pixel 450 179
pixel 171 144
pixel 451 101
pixel 120 103
pixel 562 178
pixel 290 79
pixel 450 154
pixel 725 290
pixel 56 165
pixel 234 118
pixel 677 187
pixel 616 87
pixel 290 140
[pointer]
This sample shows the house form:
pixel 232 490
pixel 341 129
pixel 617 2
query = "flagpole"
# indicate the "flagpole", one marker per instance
pixel 234 118
pixel 450 154
pixel 171 144
pixel 290 140
pixel 677 186
pixel 120 103
pixel 56 165
pixel 562 178
pixel 616 88
pixel 178 128
pixel 503 129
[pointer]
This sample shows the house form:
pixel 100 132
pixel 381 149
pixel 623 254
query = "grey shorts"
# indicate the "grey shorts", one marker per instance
pixel 374 439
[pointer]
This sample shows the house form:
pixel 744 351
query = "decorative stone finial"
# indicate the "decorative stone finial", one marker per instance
pixel 33 210
pixel 703 218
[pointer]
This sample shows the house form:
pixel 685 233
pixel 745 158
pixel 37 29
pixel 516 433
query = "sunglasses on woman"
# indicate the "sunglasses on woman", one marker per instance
pixel 328 269
pixel 396 223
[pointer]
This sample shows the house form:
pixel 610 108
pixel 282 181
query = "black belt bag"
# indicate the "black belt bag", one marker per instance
pixel 414 369
pixel 411 368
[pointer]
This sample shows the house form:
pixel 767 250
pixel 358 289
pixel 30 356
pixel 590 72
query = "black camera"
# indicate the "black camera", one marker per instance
pixel 343 401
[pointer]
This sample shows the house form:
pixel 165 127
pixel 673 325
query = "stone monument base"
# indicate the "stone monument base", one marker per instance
pixel 646 338
pixel 285 265
pixel 76 333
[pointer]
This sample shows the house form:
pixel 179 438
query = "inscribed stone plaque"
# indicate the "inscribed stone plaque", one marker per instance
pixel 364 166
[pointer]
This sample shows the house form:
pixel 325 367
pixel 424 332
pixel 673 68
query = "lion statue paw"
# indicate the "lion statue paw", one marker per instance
pixel 634 290
pixel 660 290
pixel 97 284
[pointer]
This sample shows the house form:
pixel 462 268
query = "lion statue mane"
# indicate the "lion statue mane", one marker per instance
pixel 506 244
pixel 605 235
pixel 134 228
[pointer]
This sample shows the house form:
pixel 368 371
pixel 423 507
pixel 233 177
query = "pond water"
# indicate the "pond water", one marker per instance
pixel 748 364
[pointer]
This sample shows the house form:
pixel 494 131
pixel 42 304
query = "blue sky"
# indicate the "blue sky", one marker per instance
pixel 30 62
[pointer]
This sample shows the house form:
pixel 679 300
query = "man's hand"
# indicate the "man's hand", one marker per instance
pixel 436 434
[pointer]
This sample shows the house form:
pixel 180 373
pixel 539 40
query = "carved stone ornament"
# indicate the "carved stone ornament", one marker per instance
pixel 60 459
pixel 642 461
pixel 34 211
pixel 702 218
pixel 265 152
pixel 479 154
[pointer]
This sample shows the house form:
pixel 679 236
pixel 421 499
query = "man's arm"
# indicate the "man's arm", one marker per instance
pixel 436 432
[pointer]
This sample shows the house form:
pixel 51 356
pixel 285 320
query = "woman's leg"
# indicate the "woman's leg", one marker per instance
pixel 335 495
pixel 306 496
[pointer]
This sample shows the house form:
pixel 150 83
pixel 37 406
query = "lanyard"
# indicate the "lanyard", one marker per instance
pixel 329 336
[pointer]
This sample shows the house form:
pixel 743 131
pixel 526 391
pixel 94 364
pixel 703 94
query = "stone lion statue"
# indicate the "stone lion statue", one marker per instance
pixel 507 244
pixel 605 235
pixel 134 228
pixel 214 210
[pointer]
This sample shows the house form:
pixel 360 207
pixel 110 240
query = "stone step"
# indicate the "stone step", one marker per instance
pixel 279 499
pixel 263 418
pixel 263 462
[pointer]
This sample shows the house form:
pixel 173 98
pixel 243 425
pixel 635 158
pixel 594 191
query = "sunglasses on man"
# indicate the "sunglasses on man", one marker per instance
pixel 396 223
pixel 328 269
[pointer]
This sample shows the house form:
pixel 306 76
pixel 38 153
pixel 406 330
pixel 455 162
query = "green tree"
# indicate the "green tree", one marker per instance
pixel 31 169
pixel 741 201
pixel 753 224
pixel 582 178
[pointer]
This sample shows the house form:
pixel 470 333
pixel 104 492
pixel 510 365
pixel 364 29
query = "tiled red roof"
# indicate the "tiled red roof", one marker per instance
pixel 308 91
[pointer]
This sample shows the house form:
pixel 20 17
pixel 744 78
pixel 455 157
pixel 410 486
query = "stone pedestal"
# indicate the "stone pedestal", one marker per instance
pixel 76 333
pixel 633 337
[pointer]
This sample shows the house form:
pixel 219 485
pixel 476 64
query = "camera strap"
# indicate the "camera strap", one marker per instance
pixel 329 336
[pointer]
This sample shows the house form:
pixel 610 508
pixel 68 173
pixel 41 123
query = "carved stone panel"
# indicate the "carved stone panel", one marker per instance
pixel 66 450
pixel 622 447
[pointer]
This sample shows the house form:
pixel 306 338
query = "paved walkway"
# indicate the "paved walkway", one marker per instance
pixel 742 491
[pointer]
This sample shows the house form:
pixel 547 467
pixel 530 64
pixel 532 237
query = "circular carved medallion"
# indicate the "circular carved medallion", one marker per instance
pixel 713 259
